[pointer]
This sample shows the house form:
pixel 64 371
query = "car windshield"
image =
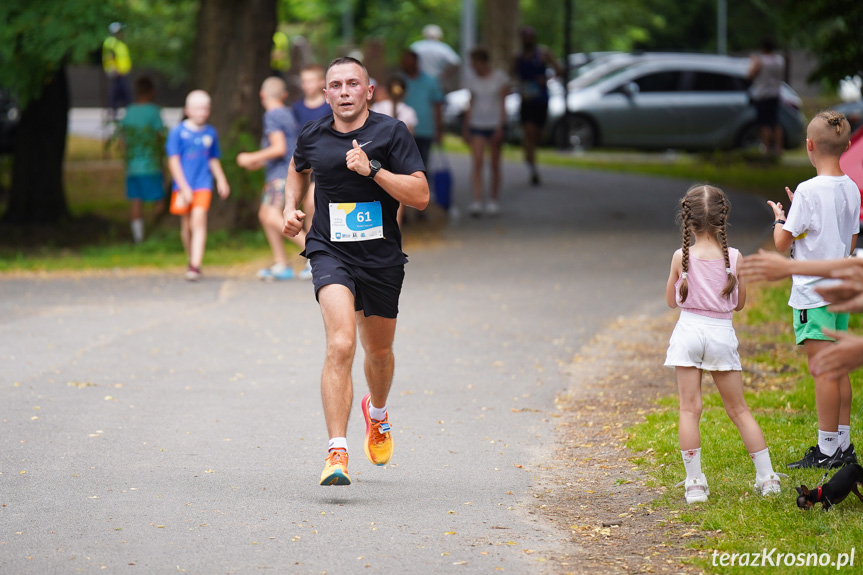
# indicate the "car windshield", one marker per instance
pixel 592 81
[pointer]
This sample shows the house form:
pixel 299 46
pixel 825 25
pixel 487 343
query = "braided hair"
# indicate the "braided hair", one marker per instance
pixel 705 209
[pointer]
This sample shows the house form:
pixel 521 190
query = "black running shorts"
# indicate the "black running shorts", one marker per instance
pixel 376 290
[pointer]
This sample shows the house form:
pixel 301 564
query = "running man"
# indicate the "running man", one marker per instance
pixel 364 164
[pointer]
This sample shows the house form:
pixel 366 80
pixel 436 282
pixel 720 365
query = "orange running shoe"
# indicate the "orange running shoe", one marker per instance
pixel 336 471
pixel 379 440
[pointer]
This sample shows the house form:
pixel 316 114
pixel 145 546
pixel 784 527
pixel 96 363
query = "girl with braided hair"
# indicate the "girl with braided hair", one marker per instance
pixel 703 283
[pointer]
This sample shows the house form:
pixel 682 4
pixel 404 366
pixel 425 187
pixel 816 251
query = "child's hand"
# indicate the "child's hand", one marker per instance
pixel 778 212
pixel 293 222
pixel 244 160
pixel 223 188
pixel 185 197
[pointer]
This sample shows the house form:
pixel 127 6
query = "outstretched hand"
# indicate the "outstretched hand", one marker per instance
pixel 846 296
pixel 357 160
pixel 765 266
pixel 840 358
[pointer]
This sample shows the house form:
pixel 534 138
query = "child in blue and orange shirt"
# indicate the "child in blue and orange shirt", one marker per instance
pixel 193 158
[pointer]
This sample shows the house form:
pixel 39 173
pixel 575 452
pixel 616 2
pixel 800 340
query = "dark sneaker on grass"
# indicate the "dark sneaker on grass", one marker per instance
pixel 814 458
pixel 849 455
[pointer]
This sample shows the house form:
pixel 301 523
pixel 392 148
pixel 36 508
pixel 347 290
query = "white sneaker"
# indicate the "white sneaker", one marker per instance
pixel 475 209
pixel 768 485
pixel 492 208
pixel 696 489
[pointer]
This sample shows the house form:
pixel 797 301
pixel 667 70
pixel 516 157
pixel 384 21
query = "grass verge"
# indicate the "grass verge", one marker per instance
pixel 781 397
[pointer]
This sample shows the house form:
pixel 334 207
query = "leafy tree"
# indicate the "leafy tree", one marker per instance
pixel 831 30
pixel 37 40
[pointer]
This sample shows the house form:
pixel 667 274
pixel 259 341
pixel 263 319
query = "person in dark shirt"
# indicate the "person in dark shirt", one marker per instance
pixel 364 164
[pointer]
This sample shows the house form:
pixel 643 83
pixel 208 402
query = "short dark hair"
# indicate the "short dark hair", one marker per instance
pixel 144 86
pixel 341 60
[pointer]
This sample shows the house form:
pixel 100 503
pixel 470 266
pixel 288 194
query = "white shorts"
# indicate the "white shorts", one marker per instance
pixel 704 342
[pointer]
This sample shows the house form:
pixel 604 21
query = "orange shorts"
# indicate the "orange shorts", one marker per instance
pixel 200 199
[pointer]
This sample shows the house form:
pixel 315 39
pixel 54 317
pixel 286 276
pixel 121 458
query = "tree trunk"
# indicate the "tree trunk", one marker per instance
pixel 500 23
pixel 231 59
pixel 37 195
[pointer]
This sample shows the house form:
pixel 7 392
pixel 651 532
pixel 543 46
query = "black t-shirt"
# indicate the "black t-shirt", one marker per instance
pixel 323 149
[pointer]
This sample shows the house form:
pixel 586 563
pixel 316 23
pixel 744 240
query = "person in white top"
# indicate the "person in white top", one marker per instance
pixel 767 74
pixel 483 126
pixel 389 101
pixel 822 223
pixel 436 58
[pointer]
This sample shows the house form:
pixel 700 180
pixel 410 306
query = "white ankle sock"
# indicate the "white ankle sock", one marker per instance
pixel 844 437
pixel 377 413
pixel 828 442
pixel 692 463
pixel 278 268
pixel 338 443
pixel 137 230
pixel 763 466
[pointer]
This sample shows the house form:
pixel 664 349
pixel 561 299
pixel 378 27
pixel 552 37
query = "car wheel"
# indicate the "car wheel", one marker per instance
pixel 749 138
pixel 575 132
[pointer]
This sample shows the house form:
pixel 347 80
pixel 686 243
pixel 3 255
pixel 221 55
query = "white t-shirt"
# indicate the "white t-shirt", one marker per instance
pixel 486 105
pixel 403 112
pixel 435 56
pixel 824 215
pixel 768 82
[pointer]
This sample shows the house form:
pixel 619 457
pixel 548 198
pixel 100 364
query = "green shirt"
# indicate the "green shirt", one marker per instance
pixel 143 133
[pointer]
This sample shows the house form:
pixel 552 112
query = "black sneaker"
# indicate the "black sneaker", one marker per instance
pixel 814 458
pixel 849 455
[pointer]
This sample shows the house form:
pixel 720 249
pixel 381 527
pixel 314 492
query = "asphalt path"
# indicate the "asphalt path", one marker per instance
pixel 148 425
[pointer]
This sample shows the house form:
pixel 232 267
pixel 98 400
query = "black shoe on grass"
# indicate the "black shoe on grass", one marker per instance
pixel 814 458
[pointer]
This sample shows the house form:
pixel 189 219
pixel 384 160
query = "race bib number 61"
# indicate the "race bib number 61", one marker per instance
pixel 356 222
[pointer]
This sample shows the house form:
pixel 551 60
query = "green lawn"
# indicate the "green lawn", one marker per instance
pixel 736 519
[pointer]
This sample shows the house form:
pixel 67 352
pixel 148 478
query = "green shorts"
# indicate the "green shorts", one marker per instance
pixel 808 323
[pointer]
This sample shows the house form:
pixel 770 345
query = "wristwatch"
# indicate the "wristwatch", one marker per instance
pixel 778 221
pixel 375 167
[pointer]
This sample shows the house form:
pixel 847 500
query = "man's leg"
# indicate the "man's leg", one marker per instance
pixel 377 335
pixel 337 309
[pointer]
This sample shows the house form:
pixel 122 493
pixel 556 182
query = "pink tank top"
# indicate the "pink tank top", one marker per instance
pixel 706 280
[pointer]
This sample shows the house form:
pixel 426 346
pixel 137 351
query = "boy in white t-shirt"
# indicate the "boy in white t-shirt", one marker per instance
pixel 822 223
pixel 484 125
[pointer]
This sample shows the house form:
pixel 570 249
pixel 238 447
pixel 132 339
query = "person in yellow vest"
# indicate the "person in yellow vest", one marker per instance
pixel 280 55
pixel 117 64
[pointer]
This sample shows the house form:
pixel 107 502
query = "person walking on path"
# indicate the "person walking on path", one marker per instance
pixel 530 71
pixel 366 164
pixel 426 98
pixel 483 127
pixel 767 72
pixel 143 135
pixel 277 147
pixel 703 283
pixel 193 158
pixel 436 58
pixel 822 223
